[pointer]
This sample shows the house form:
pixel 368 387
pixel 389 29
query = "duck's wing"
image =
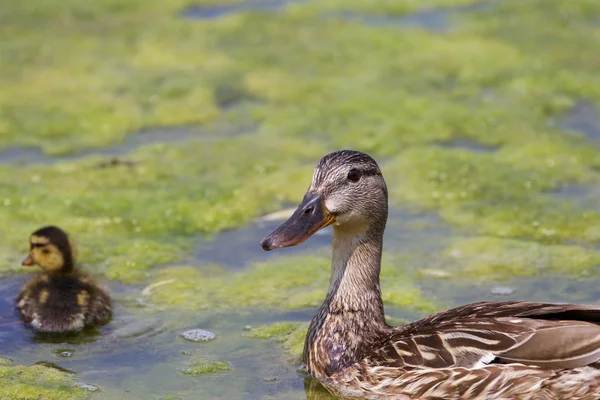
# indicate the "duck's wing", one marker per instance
pixel 100 306
pixel 548 336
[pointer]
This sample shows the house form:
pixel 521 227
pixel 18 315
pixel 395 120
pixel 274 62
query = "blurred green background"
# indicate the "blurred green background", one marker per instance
pixel 162 135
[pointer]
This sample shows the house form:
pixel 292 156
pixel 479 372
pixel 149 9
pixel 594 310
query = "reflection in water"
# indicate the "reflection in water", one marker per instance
pixel 316 391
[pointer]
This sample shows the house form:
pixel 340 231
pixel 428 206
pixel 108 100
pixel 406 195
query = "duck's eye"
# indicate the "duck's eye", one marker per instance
pixel 354 175
pixel 46 251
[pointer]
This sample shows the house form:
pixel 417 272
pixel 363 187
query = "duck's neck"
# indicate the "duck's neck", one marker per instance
pixel 352 315
pixel 355 266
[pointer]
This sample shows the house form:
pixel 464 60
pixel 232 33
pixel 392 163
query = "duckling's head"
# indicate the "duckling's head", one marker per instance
pixel 347 190
pixel 51 249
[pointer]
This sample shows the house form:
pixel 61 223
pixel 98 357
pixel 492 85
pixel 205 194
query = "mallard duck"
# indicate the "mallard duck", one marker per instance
pixel 61 298
pixel 486 350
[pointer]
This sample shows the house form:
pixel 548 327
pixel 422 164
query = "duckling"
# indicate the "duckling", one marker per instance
pixel 61 298
pixel 486 350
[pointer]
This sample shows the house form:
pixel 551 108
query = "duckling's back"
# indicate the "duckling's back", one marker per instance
pixel 63 303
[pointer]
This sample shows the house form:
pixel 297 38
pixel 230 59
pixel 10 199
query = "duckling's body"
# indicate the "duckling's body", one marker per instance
pixel 488 350
pixel 61 298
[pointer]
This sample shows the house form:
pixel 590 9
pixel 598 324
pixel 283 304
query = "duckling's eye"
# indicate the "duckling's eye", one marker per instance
pixel 46 251
pixel 354 175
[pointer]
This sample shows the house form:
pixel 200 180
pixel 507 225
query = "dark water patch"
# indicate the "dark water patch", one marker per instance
pixel 12 331
pixel 581 197
pixel 238 248
pixel 29 155
pixel 116 155
pixel 439 20
pixel 467 144
pixel 217 11
pixel 583 118
pixel 24 155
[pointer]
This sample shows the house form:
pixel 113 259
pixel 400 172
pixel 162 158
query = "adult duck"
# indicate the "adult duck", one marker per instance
pixel 487 350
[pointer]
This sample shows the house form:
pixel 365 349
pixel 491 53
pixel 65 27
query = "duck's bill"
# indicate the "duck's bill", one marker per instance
pixel 310 217
pixel 28 261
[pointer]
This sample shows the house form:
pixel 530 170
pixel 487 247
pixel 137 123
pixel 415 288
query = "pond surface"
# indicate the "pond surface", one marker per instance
pixel 139 354
pixel 168 138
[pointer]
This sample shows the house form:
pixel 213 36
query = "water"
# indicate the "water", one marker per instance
pixel 439 20
pixel 583 118
pixel 581 197
pixel 236 122
pixel 431 19
pixel 33 155
pixel 470 145
pixel 138 355
pixel 217 11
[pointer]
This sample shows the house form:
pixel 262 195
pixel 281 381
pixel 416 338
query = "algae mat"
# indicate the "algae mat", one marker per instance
pixel 158 132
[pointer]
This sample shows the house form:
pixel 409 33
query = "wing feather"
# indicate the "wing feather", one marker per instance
pixel 548 336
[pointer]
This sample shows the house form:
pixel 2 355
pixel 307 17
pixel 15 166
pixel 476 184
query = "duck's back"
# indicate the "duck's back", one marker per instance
pixel 516 350
pixel 63 303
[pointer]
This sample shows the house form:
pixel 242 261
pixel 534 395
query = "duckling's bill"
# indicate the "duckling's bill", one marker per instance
pixel 311 216
pixel 28 261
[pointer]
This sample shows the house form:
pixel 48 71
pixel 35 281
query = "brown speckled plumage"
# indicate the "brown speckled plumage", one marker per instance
pixel 487 350
pixel 61 298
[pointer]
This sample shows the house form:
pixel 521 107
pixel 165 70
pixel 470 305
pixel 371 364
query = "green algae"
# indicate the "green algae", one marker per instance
pixel 126 220
pixel 486 83
pixel 202 366
pixel 37 382
pixel 276 329
pixel 488 258
pixel 496 196
pixel 5 362
pixel 286 283
pixel 290 335
pixel 88 75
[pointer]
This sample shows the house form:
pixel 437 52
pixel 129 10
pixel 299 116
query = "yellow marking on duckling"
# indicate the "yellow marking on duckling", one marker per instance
pixel 39 240
pixel 82 298
pixel 44 294
pixel 85 279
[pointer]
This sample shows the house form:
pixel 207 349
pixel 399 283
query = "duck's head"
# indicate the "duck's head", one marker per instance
pixel 51 249
pixel 347 190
